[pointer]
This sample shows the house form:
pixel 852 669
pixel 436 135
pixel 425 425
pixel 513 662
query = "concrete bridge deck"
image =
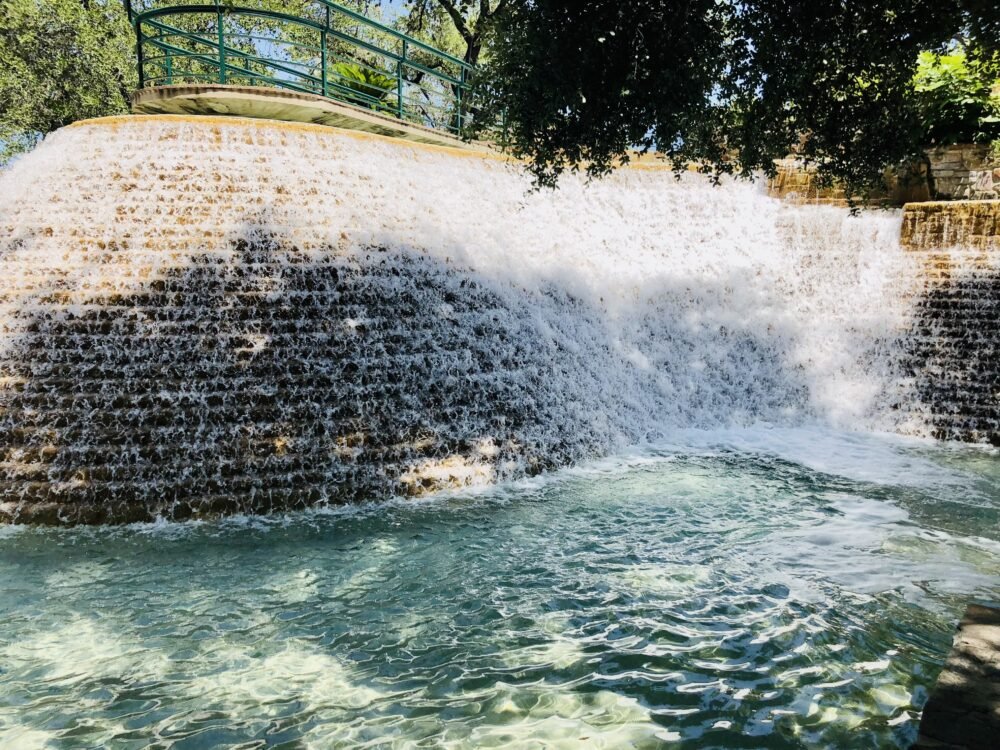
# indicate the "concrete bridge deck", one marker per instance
pixel 288 106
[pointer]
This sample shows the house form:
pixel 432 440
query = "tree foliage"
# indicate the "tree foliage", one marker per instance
pixel 370 87
pixel 63 60
pixel 958 97
pixel 729 84
pixel 453 24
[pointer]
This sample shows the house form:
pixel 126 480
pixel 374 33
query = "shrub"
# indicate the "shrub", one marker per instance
pixel 958 97
pixel 363 86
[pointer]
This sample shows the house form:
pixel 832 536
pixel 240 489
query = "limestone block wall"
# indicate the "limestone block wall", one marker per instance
pixel 957 172
pixel 219 325
pixel 964 172
pixel 953 343
pixel 202 316
pixel 797 184
pixel 218 315
pixel 946 224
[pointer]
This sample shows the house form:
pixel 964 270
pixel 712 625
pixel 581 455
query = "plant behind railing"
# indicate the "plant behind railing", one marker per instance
pixel 311 46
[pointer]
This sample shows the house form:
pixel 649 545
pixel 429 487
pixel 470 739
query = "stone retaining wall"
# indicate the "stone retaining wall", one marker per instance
pixel 964 171
pixel 939 225
pixel 214 316
pixel 964 708
pixel 954 341
pixel 959 172
pixel 798 184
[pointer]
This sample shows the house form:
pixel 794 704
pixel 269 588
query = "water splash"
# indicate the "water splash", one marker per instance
pixel 204 316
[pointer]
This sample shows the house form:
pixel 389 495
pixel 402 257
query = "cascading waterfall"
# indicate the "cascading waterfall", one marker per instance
pixel 219 315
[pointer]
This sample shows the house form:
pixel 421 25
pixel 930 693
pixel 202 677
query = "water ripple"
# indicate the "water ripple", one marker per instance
pixel 705 596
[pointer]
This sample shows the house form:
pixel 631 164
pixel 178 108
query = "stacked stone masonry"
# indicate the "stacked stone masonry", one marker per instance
pixel 207 367
pixel 960 172
pixel 938 225
pixel 206 393
pixel 190 336
pixel 797 184
pixel 963 712
pixel 965 172
pixel 955 341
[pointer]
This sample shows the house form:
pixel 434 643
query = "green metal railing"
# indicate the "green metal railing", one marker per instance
pixel 322 48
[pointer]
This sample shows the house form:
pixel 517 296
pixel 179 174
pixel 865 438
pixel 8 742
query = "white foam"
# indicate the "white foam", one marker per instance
pixel 672 303
pixel 863 457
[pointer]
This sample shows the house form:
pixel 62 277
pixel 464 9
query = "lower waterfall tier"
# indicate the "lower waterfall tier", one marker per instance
pixel 203 316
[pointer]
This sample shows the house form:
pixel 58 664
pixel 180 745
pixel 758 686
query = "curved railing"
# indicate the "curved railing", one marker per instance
pixel 317 47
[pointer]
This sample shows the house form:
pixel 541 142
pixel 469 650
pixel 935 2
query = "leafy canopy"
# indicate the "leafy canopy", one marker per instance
pixel 462 27
pixel 63 60
pixel 729 84
pixel 958 97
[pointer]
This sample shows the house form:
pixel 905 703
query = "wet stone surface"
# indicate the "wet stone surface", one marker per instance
pixel 963 711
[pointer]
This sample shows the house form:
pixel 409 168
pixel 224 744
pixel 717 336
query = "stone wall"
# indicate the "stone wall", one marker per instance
pixel 797 184
pixel 964 171
pixel 204 315
pixel 953 346
pixel 959 172
pixel 964 707
pixel 940 225
pixel 953 343
pixel 222 326
pixel 218 315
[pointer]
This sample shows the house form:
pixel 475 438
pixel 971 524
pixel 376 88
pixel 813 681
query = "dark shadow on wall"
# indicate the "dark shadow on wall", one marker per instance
pixel 953 355
pixel 261 378
pixel 961 711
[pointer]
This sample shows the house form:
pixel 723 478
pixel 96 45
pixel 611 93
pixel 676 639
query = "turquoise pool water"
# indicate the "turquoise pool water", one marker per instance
pixel 744 589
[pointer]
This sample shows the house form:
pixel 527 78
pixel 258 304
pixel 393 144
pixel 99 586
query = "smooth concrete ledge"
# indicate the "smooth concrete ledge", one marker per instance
pixel 288 106
pixel 963 712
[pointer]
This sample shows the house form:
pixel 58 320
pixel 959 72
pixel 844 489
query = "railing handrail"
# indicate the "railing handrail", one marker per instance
pixel 441 84
pixel 337 7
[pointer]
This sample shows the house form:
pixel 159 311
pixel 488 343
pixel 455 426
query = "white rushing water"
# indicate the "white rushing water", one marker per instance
pixel 257 277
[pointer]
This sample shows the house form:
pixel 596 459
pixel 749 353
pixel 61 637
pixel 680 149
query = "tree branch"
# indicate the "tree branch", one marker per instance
pixel 459 20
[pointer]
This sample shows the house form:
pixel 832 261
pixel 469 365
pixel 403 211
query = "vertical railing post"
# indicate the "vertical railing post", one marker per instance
pixel 170 68
pixel 222 42
pixel 138 54
pixel 323 52
pixel 458 99
pixel 138 38
pixel 399 83
pixel 322 59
